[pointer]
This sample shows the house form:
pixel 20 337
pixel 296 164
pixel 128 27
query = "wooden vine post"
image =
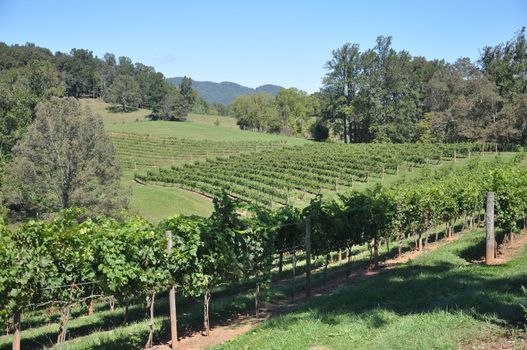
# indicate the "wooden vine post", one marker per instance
pixel 308 257
pixel 489 224
pixel 16 335
pixel 172 300
pixel 293 253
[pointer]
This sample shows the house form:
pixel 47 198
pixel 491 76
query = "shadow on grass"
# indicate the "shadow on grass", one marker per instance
pixel 120 109
pixel 486 293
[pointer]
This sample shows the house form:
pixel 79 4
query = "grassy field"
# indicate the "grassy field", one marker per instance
pixel 443 299
pixel 198 131
pixel 197 127
pixel 100 107
pixel 156 203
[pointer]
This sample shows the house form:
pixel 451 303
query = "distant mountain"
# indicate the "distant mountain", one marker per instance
pixel 226 91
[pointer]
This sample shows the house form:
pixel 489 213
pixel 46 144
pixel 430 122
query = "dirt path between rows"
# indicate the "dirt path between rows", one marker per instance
pixel 229 329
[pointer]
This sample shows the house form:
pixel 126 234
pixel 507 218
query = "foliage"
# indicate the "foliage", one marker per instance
pixel 383 95
pixel 256 113
pixel 319 131
pixel 125 92
pixel 65 160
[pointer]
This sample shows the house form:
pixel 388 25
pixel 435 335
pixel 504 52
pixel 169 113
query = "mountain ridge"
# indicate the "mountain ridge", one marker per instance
pixel 226 91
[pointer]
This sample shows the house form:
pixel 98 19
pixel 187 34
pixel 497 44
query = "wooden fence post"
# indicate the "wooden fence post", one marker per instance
pixel 294 273
pixel 16 335
pixel 172 299
pixel 489 218
pixel 308 257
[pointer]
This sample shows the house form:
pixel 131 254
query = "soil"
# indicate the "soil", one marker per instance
pixel 229 329
pixel 504 341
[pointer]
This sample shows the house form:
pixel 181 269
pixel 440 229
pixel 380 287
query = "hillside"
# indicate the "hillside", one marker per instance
pixel 226 91
pixel 158 146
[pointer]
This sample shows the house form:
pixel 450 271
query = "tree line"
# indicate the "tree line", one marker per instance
pixel 384 95
pixel 128 259
pixel 381 95
pixel 30 74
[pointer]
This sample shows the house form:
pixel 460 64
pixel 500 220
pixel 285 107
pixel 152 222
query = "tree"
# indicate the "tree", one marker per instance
pixel 152 84
pixel 295 108
pixel 186 90
pixel 173 106
pixel 125 92
pixel 81 73
pixel 506 65
pixel 256 112
pixel 65 160
pixel 341 84
pixel 319 131
pixel 20 91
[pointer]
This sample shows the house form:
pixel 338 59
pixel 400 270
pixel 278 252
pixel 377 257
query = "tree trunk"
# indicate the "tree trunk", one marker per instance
pixel 150 339
pixel 375 252
pixel 112 303
pixel 90 308
pixel 326 270
pixel 206 300
pixel 340 255
pixel 348 264
pixel 371 254
pixel 16 334
pixel 387 245
pixel 420 242
pixel 64 317
pixel 280 265
pixel 294 274
pixel 125 321
pixel 345 130
pixel 257 297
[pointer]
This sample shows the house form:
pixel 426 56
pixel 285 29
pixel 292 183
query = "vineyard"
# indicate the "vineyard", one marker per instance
pixel 137 151
pixel 72 261
pixel 295 174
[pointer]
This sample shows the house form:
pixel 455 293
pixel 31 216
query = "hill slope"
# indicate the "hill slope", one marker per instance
pixel 226 91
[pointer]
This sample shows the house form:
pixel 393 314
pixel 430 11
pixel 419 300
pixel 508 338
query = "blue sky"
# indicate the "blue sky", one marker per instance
pixel 258 42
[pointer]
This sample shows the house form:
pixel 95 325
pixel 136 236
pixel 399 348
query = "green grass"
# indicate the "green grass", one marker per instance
pixel 156 203
pixel 197 127
pixel 196 131
pixel 101 108
pixel 439 301
pixel 223 121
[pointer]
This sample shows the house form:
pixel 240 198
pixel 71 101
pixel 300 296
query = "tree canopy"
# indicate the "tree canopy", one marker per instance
pixel 65 160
